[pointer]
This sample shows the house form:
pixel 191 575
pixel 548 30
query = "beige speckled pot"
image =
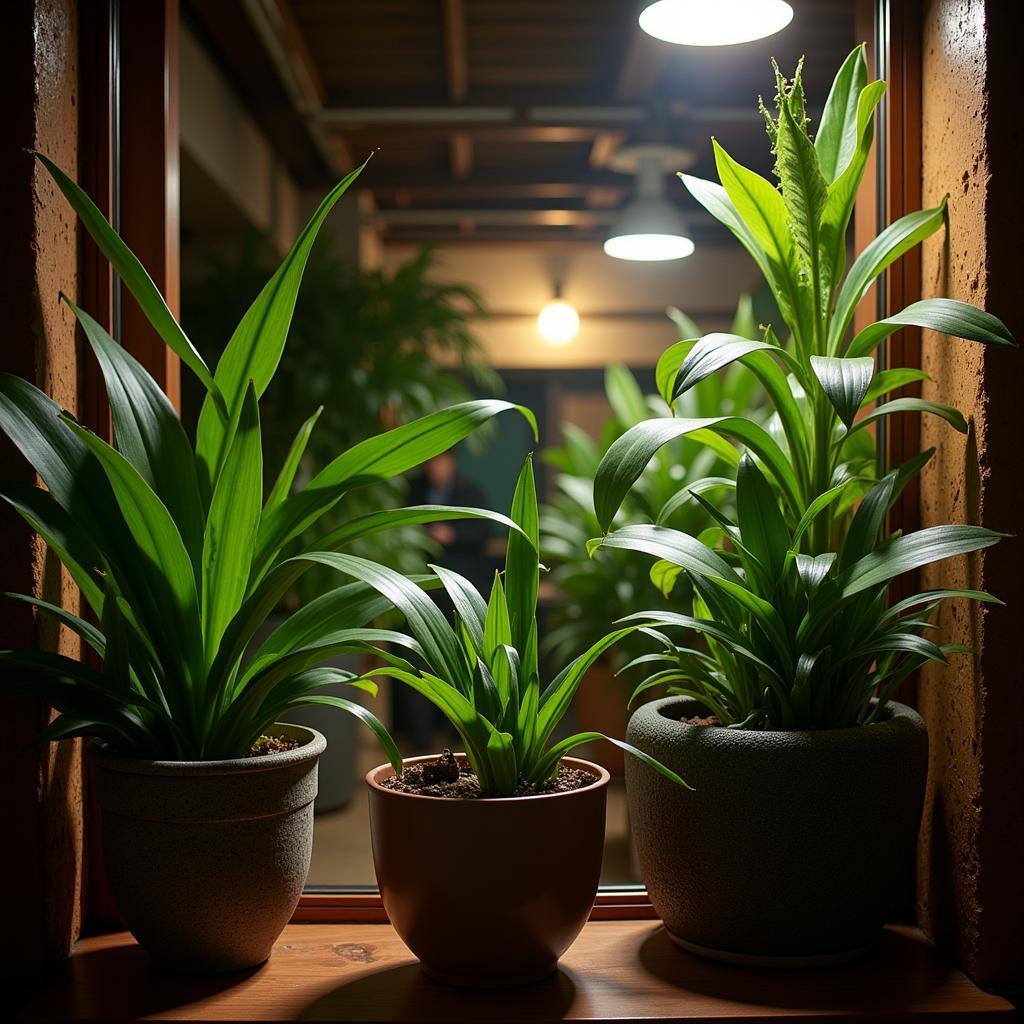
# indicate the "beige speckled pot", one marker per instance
pixel 207 859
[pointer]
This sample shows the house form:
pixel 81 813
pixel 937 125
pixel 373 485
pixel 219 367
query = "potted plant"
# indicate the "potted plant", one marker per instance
pixel 206 799
pixel 809 778
pixel 591 592
pixel 488 861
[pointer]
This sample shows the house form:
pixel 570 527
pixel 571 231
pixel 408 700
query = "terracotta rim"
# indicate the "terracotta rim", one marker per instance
pixel 601 778
pixel 313 746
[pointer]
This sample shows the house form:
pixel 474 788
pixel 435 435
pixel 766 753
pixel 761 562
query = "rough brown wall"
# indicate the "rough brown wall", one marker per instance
pixel 40 788
pixel 971 887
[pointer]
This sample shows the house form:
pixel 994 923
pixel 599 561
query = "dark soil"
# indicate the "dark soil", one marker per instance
pixel 697 720
pixel 444 777
pixel 271 745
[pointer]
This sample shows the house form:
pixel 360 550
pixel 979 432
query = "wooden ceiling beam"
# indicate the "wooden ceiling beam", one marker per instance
pixel 454 115
pixel 456 58
pixel 460 155
pixel 408 192
pixel 456 50
pixel 542 183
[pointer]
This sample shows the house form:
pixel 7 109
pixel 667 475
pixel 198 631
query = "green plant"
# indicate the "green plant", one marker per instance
pixel 821 379
pixel 593 591
pixel 794 604
pixel 396 345
pixel 483 673
pixel 798 641
pixel 178 551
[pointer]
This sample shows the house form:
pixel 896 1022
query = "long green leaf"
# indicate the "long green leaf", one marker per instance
pixel 378 458
pixel 86 630
pixel 842 193
pixel 286 475
pixel 412 515
pixel 626 459
pixel 255 348
pixel 946 316
pixel 763 212
pixel 902 554
pixel 890 244
pixel 673 546
pixel 714 351
pixel 889 380
pixel 952 416
pixel 148 432
pixel 667 369
pixel 837 133
pixel 231 527
pixel 426 623
pixel 135 278
pixel 164 582
pixel 804 193
pixel 761 523
pixel 553 757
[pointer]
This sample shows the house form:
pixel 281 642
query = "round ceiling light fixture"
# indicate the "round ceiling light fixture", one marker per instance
pixel 649 228
pixel 558 323
pixel 714 22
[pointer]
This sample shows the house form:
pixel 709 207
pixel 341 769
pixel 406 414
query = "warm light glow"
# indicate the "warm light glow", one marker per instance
pixel 558 323
pixel 714 22
pixel 648 247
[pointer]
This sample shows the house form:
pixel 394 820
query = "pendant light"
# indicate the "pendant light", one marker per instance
pixel 714 22
pixel 650 228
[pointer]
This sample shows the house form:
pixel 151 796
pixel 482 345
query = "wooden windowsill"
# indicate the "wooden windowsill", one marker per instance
pixel 616 971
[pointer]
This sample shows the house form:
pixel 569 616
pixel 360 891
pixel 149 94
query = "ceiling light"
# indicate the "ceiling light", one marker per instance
pixel 714 22
pixel 649 228
pixel 558 323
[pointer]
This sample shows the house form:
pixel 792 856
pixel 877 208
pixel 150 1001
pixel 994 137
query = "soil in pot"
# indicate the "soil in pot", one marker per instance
pixel 444 777
pixel 487 892
pixel 272 745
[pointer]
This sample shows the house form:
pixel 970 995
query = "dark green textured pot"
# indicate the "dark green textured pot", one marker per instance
pixel 793 849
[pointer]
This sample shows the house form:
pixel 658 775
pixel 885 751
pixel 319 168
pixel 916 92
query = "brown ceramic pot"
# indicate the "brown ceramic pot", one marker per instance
pixel 207 859
pixel 488 893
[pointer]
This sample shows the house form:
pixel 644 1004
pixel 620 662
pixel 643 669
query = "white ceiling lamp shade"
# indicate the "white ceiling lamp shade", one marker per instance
pixel 649 228
pixel 558 323
pixel 714 22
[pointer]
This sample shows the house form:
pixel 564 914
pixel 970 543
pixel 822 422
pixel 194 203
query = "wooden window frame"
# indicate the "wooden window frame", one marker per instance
pixel 129 142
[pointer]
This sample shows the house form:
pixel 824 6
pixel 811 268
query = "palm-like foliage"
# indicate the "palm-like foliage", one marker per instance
pixel 177 550
pixel 798 641
pixel 819 382
pixel 794 604
pixel 483 673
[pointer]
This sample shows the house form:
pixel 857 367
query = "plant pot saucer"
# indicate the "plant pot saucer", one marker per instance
pixel 726 956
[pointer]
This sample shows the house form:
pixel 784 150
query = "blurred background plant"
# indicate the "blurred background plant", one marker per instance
pixel 585 595
pixel 374 348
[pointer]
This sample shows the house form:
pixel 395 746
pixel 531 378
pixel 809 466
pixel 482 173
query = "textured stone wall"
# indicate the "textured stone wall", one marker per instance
pixel 971 886
pixel 40 787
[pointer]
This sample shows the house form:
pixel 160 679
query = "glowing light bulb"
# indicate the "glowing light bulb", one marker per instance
pixel 558 323
pixel 714 22
pixel 648 247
